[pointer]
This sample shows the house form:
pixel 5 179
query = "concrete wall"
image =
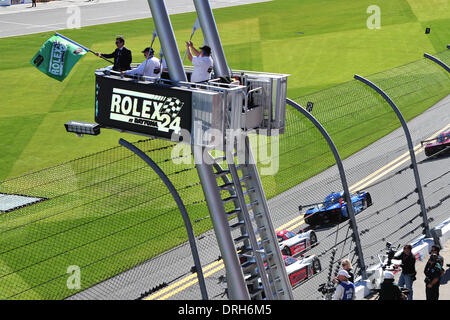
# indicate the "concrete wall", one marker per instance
pixel 443 231
pixel 13 2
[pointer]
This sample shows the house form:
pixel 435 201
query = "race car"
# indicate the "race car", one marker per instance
pixel 439 144
pixel 292 244
pixel 299 270
pixel 334 208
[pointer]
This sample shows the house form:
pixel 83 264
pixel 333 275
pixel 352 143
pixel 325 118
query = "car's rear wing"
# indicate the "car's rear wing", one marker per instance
pixel 429 140
pixel 300 207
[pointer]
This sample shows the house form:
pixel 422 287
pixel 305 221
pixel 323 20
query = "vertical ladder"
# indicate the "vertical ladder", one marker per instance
pixel 256 243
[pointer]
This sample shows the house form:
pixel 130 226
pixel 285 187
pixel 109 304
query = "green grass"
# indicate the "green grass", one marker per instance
pixel 107 212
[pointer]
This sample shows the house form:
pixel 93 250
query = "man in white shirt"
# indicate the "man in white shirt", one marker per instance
pixel 151 67
pixel 202 62
pixel 345 290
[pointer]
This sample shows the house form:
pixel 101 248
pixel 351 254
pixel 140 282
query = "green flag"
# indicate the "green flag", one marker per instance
pixel 57 57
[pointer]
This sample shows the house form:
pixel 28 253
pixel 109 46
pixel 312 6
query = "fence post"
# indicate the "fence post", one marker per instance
pixel 181 207
pixel 347 196
pixel 426 225
pixel 439 62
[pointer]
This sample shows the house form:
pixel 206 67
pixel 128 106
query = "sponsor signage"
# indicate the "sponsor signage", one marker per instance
pixel 151 109
pixel 56 65
pixel 298 276
pixel 57 56
pixel 298 248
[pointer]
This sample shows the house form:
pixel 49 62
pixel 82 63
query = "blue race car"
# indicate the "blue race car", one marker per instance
pixel 334 208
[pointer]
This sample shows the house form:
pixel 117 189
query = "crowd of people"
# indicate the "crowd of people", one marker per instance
pixel 433 271
pixel 389 290
pixel 153 67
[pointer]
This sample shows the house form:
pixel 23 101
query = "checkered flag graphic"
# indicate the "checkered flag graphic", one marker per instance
pixel 172 106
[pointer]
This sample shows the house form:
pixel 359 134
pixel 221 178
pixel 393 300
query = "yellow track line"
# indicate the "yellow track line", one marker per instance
pixel 195 280
pixel 194 276
pixel 357 185
pixel 295 225
pixel 172 286
pixel 282 227
pixel 286 225
pixel 187 285
pixel 360 185
pixel 374 174
pixel 391 164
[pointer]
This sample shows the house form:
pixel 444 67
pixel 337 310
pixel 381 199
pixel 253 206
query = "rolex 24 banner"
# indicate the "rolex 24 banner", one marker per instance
pixel 57 57
pixel 152 109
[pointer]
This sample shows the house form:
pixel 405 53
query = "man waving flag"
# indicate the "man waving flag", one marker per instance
pixel 57 56
pixel 195 27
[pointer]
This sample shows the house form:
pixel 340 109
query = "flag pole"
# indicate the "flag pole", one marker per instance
pixel 190 39
pixel 83 47
pixel 194 28
pixel 155 34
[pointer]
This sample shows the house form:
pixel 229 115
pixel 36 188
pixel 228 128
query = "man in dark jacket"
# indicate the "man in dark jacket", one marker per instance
pixel 122 56
pixel 433 271
pixel 436 249
pixel 408 265
pixel 389 290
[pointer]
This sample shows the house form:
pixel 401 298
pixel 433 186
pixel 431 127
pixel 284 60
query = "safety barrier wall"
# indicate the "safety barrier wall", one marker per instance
pixel 442 230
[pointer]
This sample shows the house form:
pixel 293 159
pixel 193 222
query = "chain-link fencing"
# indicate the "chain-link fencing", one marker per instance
pixel 105 227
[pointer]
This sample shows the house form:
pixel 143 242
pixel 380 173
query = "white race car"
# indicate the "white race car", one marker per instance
pixel 299 270
pixel 292 244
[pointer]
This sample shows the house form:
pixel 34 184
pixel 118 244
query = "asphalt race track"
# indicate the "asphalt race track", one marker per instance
pixel 382 169
pixel 22 19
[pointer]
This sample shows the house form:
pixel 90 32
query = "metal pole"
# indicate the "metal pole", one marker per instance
pixel 439 62
pixel 180 204
pixel 211 35
pixel 340 167
pixel 270 234
pixel 235 277
pixel 411 153
pixel 167 39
